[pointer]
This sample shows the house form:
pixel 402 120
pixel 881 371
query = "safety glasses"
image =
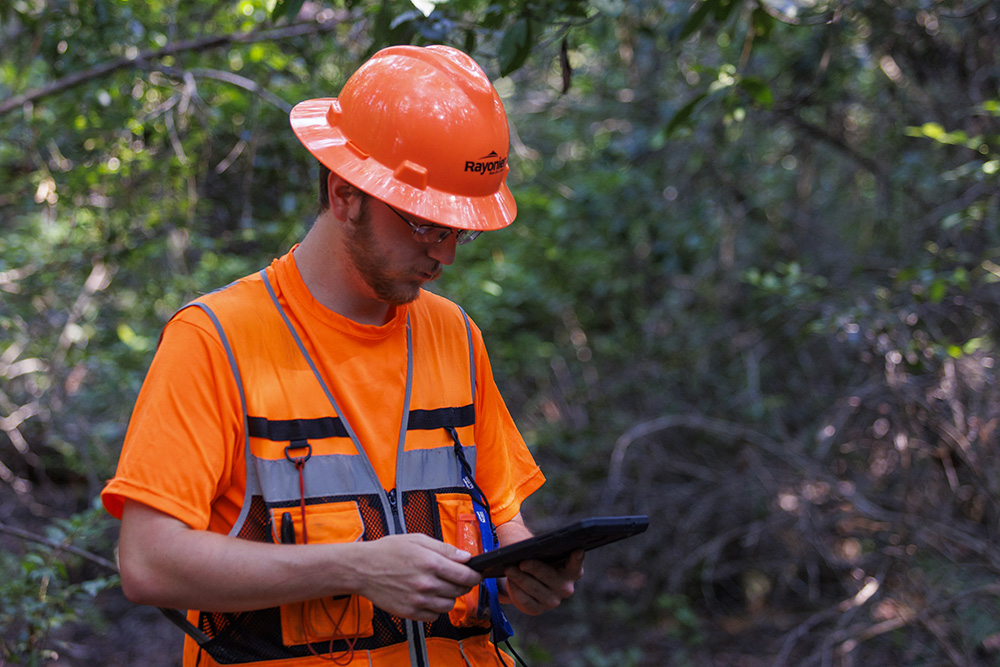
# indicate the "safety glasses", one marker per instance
pixel 436 233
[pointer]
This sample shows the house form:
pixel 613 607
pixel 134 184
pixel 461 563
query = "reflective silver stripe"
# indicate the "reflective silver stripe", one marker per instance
pixel 472 358
pixel 330 475
pixel 345 474
pixel 403 474
pixel 436 468
pixel 252 484
pixel 419 645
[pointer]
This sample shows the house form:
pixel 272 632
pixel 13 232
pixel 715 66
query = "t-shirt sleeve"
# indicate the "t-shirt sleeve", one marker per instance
pixel 505 469
pixel 182 443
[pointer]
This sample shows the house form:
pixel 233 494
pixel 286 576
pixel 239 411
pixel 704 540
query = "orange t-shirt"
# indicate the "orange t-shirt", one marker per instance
pixel 184 449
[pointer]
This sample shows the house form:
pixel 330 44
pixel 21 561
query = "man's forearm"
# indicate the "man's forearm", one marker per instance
pixel 513 531
pixel 165 563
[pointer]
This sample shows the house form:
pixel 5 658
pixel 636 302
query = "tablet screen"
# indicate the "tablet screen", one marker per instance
pixel 558 544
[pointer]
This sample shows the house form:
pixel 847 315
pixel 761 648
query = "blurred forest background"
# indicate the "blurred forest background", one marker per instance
pixel 751 292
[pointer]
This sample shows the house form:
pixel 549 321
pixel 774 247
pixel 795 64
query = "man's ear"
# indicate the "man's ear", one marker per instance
pixel 345 199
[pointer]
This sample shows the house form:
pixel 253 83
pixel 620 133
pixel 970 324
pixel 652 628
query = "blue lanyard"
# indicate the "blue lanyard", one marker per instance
pixel 501 626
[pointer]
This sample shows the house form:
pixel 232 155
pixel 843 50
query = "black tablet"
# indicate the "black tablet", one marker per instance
pixel 558 544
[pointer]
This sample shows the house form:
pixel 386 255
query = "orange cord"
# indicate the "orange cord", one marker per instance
pixel 348 655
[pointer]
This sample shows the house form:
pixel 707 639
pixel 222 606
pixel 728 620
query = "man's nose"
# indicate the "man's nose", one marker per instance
pixel 443 252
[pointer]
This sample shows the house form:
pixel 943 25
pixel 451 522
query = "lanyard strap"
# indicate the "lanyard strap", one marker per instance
pixel 502 629
pixel 501 626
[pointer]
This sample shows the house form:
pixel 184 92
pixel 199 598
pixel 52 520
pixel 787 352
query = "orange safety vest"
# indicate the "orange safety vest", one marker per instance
pixel 305 462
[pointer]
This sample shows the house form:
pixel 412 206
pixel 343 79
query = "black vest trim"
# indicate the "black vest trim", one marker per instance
pixel 288 430
pixel 429 420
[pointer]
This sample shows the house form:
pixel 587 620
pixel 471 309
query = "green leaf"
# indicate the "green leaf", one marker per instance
pixel 289 8
pixel 493 17
pixel 133 340
pixel 723 8
pixel 515 46
pixel 612 8
pixel 763 24
pixel 94 586
pixel 936 291
pixel 758 90
pixel 683 115
pixel 697 18
pixel 381 28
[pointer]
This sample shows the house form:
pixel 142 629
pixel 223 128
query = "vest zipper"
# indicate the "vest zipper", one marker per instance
pixel 414 635
pixel 394 509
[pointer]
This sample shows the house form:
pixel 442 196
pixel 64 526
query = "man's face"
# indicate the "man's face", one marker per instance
pixel 387 259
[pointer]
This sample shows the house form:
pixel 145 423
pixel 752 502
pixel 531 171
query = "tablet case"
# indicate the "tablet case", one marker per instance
pixel 558 544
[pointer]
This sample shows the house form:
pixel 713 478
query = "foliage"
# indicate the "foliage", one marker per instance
pixel 47 587
pixel 751 290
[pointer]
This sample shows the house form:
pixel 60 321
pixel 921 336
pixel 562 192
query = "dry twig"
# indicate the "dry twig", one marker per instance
pixel 59 546
pixel 200 44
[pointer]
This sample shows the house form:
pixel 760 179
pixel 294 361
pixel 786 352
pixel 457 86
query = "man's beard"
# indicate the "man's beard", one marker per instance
pixel 369 261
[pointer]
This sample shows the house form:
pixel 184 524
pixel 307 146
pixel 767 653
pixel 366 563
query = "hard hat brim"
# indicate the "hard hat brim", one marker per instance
pixel 310 120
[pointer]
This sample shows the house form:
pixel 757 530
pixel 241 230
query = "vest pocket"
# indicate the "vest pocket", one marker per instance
pixel 459 527
pixel 340 617
pixel 325 523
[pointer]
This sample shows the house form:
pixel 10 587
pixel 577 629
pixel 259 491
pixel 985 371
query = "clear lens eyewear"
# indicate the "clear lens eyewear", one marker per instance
pixel 436 233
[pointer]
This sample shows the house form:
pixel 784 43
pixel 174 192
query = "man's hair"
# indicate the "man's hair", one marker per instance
pixel 324 189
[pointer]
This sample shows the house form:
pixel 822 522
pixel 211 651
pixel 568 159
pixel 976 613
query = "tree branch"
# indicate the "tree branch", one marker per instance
pixel 228 77
pixel 201 44
pixel 83 553
pixel 824 135
pixel 698 422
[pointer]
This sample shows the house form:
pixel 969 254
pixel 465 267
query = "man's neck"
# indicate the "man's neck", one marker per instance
pixel 330 278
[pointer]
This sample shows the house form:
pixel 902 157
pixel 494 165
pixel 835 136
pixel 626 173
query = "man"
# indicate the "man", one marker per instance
pixel 319 448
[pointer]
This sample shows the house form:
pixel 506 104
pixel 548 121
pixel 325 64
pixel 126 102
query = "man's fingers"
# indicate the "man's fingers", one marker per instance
pixel 535 579
pixel 416 576
pixel 535 586
pixel 432 597
pixel 575 564
pixel 443 548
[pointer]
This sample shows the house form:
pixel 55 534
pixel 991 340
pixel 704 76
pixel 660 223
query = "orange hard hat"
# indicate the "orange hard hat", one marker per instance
pixel 422 129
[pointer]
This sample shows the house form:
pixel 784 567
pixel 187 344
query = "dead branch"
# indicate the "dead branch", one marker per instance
pixel 188 45
pixel 851 638
pixel 227 77
pixel 59 546
pixel 717 427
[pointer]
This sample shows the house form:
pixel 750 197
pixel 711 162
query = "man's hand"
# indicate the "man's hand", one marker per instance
pixel 414 576
pixel 165 563
pixel 534 587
